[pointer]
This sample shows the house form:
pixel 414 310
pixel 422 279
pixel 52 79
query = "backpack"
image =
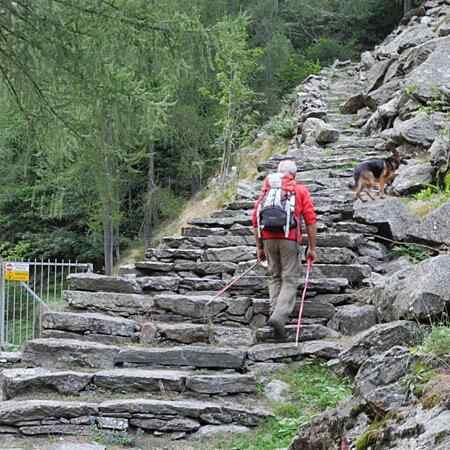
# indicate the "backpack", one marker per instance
pixel 276 208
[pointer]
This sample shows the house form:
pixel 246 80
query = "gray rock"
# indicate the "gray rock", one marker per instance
pixel 9 359
pixel 173 253
pixel 277 391
pixel 111 423
pixel 391 216
pixel 309 332
pixel 378 339
pixel 159 283
pixel 416 293
pixel 412 178
pixel 13 412
pixel 434 228
pixel 354 104
pixel 230 254
pixel 419 130
pixel 190 306
pixel 444 29
pixel 349 240
pixel 208 412
pixel 56 429
pixel 201 357
pixel 137 380
pixel 17 382
pixel 89 322
pixel 223 222
pixel 62 353
pixel 325 273
pixel 352 319
pixel 154 266
pixel 121 304
pixel 94 282
pixel 202 232
pixel 316 130
pixel 165 425
pixel 273 352
pixel 375 75
pixel 325 349
pixel 73 446
pixel 221 384
pixel 378 379
pixel 411 37
pixel 440 157
pixel 431 68
pixel 210 430
pixel 367 60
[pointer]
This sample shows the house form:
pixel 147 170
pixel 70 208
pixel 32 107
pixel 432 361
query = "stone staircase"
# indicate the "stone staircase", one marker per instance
pixel 154 348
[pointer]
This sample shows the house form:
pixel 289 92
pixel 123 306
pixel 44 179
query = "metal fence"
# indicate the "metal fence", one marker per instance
pixel 25 295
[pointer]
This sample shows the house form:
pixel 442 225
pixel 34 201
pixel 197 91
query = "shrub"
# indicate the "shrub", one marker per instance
pixel 327 50
pixel 437 342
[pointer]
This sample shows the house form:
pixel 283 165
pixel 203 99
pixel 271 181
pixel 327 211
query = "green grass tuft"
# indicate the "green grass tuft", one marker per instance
pixel 313 389
pixel 437 343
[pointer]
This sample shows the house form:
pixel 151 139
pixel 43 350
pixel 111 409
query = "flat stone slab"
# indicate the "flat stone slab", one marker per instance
pixel 308 333
pixel 16 382
pixel 9 359
pixel 75 446
pixel 187 356
pixel 190 333
pixel 25 382
pixel 273 352
pixel 125 305
pixel 96 283
pixel 68 353
pixel 89 322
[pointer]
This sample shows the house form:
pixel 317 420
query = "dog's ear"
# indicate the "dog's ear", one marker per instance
pixel 403 161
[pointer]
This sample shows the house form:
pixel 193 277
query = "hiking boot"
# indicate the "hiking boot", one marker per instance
pixel 278 328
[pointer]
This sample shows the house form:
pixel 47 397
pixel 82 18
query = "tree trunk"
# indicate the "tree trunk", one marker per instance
pixel 407 5
pixel 148 205
pixel 108 203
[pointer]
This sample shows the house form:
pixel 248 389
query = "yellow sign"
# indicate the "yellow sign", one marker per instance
pixel 17 271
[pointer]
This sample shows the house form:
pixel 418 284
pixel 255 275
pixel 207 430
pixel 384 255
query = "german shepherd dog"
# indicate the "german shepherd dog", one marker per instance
pixel 375 171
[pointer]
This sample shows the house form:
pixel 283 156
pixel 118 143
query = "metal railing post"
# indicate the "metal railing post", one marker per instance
pixel 2 305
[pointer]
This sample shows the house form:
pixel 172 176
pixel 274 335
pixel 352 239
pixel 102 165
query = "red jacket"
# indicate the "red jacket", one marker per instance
pixel 303 207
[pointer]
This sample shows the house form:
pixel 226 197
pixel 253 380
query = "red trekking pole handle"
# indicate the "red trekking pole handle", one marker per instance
pixel 309 264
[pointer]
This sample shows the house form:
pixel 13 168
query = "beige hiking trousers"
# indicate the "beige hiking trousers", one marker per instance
pixel 284 276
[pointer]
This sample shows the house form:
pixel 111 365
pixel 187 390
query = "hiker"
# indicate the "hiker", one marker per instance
pixel 277 224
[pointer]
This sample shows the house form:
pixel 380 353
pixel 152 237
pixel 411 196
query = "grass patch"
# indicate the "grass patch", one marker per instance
pixel 437 342
pixel 414 252
pixel 113 437
pixel 313 389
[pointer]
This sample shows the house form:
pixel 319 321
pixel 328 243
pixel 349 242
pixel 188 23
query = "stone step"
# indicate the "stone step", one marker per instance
pixel 10 359
pixel 92 326
pixel 68 353
pixel 56 417
pixel 39 381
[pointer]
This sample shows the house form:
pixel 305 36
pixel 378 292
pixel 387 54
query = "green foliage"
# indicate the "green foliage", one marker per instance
pixel 114 437
pixel 282 127
pixel 314 388
pixel 437 342
pixel 327 50
pixel 415 252
pixel 81 108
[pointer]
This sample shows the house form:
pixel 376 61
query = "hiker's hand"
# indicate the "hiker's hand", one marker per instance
pixel 260 254
pixel 311 255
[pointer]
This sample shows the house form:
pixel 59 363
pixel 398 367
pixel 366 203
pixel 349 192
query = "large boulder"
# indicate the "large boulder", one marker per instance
pixel 376 74
pixel 391 216
pixel 411 37
pixel 419 130
pixel 416 293
pixel 430 64
pixel 440 157
pixel 434 228
pixel 378 380
pixel 412 178
pixel 351 319
pixel 317 131
pixel 377 339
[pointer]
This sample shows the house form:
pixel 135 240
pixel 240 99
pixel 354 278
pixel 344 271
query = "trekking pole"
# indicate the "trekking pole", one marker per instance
pixel 300 313
pixel 229 285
